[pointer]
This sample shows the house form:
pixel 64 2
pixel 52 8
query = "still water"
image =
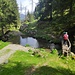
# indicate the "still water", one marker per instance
pixel 33 42
pixel 29 41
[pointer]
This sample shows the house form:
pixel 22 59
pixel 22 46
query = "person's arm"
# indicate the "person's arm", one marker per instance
pixel 69 44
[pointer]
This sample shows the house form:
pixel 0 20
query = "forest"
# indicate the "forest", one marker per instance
pixel 46 23
pixel 9 15
pixel 52 18
pixel 49 20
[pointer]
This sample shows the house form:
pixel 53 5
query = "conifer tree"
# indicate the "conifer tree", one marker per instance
pixel 8 14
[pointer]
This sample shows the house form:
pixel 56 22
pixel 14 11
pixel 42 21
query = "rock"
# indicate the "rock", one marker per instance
pixel 73 55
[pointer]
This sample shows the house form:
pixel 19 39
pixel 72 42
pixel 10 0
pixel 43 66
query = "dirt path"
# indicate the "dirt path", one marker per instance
pixel 12 48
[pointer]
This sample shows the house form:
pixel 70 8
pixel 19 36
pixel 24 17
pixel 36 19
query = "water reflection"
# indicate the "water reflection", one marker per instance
pixel 33 42
pixel 30 41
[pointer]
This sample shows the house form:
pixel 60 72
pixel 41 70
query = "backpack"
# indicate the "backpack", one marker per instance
pixel 65 37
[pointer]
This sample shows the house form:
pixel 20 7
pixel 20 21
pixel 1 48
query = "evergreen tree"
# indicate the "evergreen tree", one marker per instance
pixel 29 17
pixel 8 14
pixel 44 10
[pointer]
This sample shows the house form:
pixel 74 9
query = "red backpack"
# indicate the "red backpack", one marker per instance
pixel 65 37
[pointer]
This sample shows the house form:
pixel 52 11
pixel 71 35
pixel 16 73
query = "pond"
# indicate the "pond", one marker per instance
pixel 33 42
pixel 29 41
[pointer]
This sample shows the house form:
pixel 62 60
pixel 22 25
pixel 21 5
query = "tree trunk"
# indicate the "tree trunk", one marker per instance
pixel 62 12
pixel 2 30
pixel 71 5
pixel 50 12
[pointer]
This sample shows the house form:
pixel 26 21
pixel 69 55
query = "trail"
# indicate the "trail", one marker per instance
pixel 13 48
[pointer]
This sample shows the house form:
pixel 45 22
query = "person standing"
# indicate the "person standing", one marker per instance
pixel 66 45
pixel 65 38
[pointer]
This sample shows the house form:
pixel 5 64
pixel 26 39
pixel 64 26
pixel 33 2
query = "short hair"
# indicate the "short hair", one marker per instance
pixel 65 32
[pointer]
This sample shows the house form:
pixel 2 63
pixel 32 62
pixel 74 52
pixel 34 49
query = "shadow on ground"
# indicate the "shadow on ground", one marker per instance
pixel 19 68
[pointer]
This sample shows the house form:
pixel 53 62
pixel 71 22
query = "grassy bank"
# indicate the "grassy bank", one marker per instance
pixel 3 44
pixel 22 63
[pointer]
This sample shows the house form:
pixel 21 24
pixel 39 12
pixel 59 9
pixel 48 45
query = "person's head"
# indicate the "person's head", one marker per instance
pixel 65 32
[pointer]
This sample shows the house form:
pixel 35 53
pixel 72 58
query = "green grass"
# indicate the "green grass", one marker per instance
pixel 3 44
pixel 22 63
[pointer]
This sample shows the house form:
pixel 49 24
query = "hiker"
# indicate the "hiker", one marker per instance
pixel 65 38
pixel 66 45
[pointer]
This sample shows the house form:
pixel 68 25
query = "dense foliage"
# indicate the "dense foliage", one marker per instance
pixel 54 8
pixel 53 18
pixel 60 13
pixel 8 14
